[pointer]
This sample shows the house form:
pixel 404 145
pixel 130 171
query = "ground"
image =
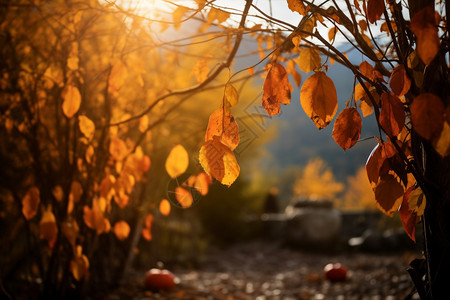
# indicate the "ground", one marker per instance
pixel 263 270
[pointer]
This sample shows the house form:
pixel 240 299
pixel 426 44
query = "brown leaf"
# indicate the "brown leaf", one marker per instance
pixel 424 27
pixel 392 115
pixel 30 203
pixel 399 81
pixel 427 115
pixel 47 227
pixel 374 164
pixel 218 161
pixel 223 125
pixel 318 99
pixel 366 69
pixel 277 89
pixel 375 9
pixel 297 6
pixel 347 128
pixel 388 194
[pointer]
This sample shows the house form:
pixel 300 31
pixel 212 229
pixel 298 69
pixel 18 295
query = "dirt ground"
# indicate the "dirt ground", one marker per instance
pixel 261 270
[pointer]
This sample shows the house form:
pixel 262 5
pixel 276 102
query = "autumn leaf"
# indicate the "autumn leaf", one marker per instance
pixel 177 162
pixel 94 219
pixel 58 193
pixel 231 95
pixel 224 126
pixel 147 228
pixel 200 70
pixel 218 161
pixel 164 207
pixel 47 227
pixel 392 115
pixel 177 15
pixel 118 149
pixel 143 123
pixel 318 99
pixel 79 266
pixel 442 144
pixel 408 217
pixel 297 6
pixel 388 194
pixel 417 201
pixel 366 109
pixel 332 33
pixel 375 9
pixel 296 39
pixel 217 14
pixel 308 60
pixel 87 127
pixel 360 93
pixel 184 197
pixel 423 25
pixel 374 163
pixel 290 68
pixel 121 230
pixel 71 100
pixel 117 77
pixel 399 81
pixel 427 115
pixel 347 128
pixel 277 89
pixel 30 203
pixel 202 183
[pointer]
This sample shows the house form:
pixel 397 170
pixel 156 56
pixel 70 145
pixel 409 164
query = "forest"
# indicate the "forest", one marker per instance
pixel 205 149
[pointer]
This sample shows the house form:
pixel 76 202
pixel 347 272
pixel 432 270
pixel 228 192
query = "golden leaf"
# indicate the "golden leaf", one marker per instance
pixel 164 207
pixel 71 100
pixel 121 230
pixel 87 127
pixel 417 201
pixel 117 77
pixel 177 162
pixel 224 126
pixel 308 60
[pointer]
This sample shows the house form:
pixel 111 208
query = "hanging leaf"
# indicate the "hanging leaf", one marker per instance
pixel 87 127
pixel 399 81
pixel 79 265
pixel 347 128
pixel 47 227
pixel 178 14
pixel 297 6
pixel 164 207
pixel 442 144
pixel 118 149
pixel 375 9
pixel 117 77
pixel 388 194
pixel 423 25
pixel 290 68
pixel 417 201
pixel 360 93
pixel 308 60
pixel 427 115
pixel 217 14
pixel 318 99
pixel 202 183
pixel 231 95
pixel 366 69
pixel 201 70
pixel 332 33
pixel 147 228
pixel 177 162
pixel 374 163
pixel 184 197
pixel 296 39
pixel 392 115
pixel 366 109
pixel 30 203
pixel 121 230
pixel 71 100
pixel 218 161
pixel 224 126
pixel 408 217
pixel 277 89
pixel 94 219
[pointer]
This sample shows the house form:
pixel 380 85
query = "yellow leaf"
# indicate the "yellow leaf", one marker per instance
pixel 318 99
pixel 87 127
pixel 296 39
pixel 332 33
pixel 224 126
pixel 218 161
pixel 417 201
pixel 177 162
pixel 164 207
pixel 118 149
pixel 117 77
pixel 143 123
pixel 297 6
pixel 89 156
pixel 30 203
pixel 217 14
pixel 308 60
pixel 71 100
pixel 121 230
pixel 442 144
pixel 231 95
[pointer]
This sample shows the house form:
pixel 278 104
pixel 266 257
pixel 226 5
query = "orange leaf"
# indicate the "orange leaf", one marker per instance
pixel 388 194
pixel 392 115
pixel 297 6
pixel 147 228
pixel 427 115
pixel 366 109
pixel 71 100
pixel 277 89
pixel 164 207
pixel 366 69
pixel 360 93
pixel 202 183
pixel 408 217
pixel 291 70
pixel 399 81
pixel 30 203
pixel 308 60
pixel 375 9
pixel 218 161
pixel 76 190
pixel 223 125
pixel 184 197
pixel 87 127
pixel 318 99
pixel 79 266
pixel 177 162
pixel 121 230
pixel 48 229
pixel 117 148
pixel 374 164
pixel 332 33
pixel 94 219
pixel 347 128
pixel 117 77
pixel 424 27
pixel 231 95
